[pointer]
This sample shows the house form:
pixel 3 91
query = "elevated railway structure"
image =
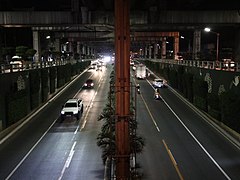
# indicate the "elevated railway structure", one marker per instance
pixel 87 31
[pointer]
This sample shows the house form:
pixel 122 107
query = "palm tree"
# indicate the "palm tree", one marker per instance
pixel 106 138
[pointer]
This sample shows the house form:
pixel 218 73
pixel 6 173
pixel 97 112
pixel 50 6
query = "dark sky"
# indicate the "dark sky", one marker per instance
pixel 135 4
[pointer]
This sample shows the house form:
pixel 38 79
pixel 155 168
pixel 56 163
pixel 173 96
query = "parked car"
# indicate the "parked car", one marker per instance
pixel 88 84
pixel 159 83
pixel 72 108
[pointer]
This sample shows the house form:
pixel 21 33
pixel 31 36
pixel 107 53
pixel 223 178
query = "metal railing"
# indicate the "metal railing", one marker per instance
pixel 9 68
pixel 223 66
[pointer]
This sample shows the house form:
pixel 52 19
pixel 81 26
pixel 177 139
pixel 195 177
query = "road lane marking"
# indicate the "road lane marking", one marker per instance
pixel 173 160
pixel 149 112
pixel 68 161
pixel 25 157
pixel 201 146
pixel 90 105
pixel 196 140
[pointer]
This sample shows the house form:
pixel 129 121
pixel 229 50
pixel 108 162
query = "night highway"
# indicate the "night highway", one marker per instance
pixel 47 148
pixel 180 144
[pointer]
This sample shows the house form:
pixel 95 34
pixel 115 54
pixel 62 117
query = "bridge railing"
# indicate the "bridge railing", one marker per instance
pixel 223 66
pixel 28 66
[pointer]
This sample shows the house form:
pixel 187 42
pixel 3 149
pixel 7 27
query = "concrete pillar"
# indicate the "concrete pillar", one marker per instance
pixel 84 51
pixel 78 47
pixel 70 45
pixel 156 46
pixel 164 48
pixel 176 46
pixel 196 44
pixel 150 51
pixel 57 45
pixel 36 45
pixel 145 54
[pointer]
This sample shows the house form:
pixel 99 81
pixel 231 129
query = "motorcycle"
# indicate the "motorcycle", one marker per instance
pixel 157 96
pixel 138 90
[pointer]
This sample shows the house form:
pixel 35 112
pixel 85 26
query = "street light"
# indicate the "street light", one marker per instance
pixel 217 49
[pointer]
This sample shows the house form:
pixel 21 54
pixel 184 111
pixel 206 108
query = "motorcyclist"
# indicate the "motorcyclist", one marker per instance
pixel 156 93
pixel 138 88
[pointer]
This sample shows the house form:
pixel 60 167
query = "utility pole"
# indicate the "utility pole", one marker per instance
pixel 122 88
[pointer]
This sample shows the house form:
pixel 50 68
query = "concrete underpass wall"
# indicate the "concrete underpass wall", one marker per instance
pixel 24 91
pixel 221 96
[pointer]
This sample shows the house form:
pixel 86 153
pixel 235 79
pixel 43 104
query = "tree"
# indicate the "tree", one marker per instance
pixel 30 53
pixel 21 51
pixel 8 52
pixel 106 138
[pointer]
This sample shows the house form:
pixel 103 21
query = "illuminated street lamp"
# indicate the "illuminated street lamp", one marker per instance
pixel 217 49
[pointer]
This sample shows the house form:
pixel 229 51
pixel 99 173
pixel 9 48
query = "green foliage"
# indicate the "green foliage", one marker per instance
pixel 188 86
pixel 106 138
pixel 21 51
pixel 200 91
pixel 30 53
pixel 34 77
pixel 16 106
pixel 173 78
pixel 230 104
pixel 44 83
pixel 52 78
pixel 214 106
pixel 60 76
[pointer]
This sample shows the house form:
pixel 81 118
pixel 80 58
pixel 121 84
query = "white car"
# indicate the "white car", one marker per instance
pixel 72 108
pixel 159 83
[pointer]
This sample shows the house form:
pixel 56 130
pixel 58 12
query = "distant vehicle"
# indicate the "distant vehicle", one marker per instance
pixel 141 71
pixel 16 64
pixel 88 84
pixel 159 83
pixel 134 68
pixel 72 108
pixel 93 66
pixel 99 67
pixel 131 62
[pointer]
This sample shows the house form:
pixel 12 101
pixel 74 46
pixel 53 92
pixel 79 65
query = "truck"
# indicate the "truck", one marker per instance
pixel 141 71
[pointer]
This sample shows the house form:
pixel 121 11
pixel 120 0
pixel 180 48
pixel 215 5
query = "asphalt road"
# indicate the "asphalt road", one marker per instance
pixel 180 144
pixel 48 148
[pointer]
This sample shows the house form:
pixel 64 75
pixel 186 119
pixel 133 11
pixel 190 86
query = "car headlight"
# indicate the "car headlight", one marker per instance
pixel 62 112
pixel 85 84
pixel 75 112
pixel 91 84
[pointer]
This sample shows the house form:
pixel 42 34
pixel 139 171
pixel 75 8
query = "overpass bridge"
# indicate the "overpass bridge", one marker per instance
pixel 87 30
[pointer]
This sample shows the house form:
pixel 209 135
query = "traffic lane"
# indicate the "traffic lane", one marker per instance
pixel 154 161
pixel 64 145
pixel 178 138
pixel 17 146
pixel 226 155
pixel 87 162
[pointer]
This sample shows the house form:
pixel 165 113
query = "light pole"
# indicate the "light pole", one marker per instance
pixel 217 48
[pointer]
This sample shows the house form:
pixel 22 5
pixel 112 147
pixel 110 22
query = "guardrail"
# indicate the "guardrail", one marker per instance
pixel 28 66
pixel 223 66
